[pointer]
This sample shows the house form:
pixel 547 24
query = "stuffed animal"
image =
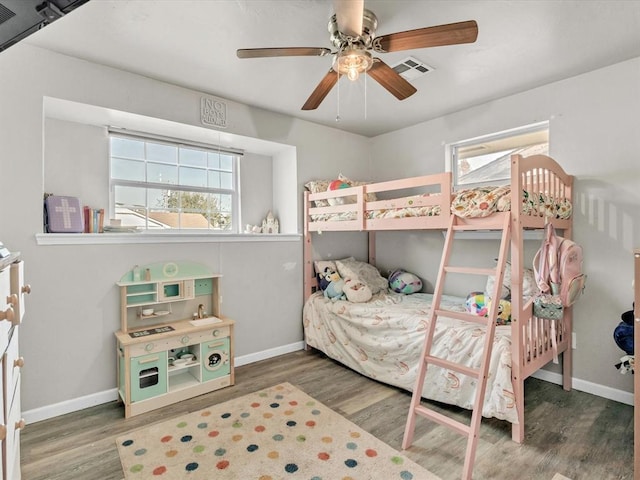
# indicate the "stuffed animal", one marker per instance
pixel 401 281
pixel 504 312
pixel 335 287
pixel 356 291
pixel 623 333
pixel 475 304
pixel 324 278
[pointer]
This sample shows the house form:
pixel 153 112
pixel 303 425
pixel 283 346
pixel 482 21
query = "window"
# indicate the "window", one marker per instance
pixel 160 185
pixel 487 160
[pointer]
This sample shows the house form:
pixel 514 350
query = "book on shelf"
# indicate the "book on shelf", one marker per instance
pixel 93 219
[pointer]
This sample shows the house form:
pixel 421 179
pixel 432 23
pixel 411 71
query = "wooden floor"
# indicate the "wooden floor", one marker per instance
pixel 579 435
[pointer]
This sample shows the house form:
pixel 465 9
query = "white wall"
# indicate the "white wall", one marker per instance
pixel 85 157
pixel 594 135
pixel 67 337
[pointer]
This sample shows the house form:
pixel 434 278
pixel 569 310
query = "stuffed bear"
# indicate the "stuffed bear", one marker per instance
pixel 335 287
pixel 356 291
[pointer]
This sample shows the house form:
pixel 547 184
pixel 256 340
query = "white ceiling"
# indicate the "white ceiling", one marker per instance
pixel 192 43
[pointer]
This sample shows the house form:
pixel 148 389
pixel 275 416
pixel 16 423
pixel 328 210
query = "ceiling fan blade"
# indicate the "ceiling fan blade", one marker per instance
pixel 450 34
pixel 321 91
pixel 349 15
pixel 282 52
pixel 391 80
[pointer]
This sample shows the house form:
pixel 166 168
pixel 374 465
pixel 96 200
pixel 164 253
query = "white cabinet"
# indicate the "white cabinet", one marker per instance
pixel 12 297
pixel 173 343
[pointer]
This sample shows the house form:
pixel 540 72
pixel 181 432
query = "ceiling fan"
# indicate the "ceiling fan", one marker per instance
pixel 353 30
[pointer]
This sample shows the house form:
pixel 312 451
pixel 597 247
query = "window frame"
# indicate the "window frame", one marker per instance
pixel 452 164
pixel 233 192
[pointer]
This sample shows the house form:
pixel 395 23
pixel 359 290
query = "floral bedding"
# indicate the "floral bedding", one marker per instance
pixel 483 201
pixel 383 339
pixel 422 211
pixel 473 202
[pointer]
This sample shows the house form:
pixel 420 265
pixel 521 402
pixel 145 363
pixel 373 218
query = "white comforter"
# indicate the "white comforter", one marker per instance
pixel 383 339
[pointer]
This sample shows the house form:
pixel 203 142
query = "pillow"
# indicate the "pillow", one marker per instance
pixel 369 197
pixel 529 286
pixel 401 281
pixel 505 291
pixel 318 186
pixel 368 274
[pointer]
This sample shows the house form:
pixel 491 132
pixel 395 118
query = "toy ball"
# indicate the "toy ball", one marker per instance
pixel 337 184
pixel 475 303
pixel 504 312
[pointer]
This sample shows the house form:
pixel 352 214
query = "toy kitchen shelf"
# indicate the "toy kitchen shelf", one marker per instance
pixel 173 343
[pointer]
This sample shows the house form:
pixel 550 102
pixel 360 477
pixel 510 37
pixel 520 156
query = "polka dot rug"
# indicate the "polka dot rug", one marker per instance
pixel 279 433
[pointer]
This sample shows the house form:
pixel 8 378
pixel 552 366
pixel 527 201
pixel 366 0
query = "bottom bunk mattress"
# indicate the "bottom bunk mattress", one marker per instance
pixel 383 339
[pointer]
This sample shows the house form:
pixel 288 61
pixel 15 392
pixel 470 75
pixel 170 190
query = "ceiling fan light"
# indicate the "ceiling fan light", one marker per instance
pixel 353 74
pixel 352 62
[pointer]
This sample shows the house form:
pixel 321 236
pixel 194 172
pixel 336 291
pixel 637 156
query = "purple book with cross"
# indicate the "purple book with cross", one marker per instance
pixel 65 214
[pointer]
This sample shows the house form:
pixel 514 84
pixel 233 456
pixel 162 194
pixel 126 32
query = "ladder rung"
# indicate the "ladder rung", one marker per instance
pixel 472 270
pixel 464 316
pixel 461 428
pixel 456 367
pixel 461 227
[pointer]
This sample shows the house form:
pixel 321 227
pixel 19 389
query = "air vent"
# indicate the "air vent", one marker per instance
pixel 411 68
pixel 5 14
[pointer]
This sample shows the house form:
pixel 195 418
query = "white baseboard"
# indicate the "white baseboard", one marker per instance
pixel 272 352
pixel 80 403
pixel 68 406
pixel 587 387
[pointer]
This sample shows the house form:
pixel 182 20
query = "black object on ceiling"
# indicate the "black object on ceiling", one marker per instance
pixel 21 18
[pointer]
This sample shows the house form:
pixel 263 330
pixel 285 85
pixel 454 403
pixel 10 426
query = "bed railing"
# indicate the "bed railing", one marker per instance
pixel 352 211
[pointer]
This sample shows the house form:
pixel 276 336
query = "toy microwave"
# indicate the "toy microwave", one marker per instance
pixel 176 290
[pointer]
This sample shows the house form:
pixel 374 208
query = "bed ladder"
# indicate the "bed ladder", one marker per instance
pixel 471 431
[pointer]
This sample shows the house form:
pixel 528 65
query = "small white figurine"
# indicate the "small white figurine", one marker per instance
pixel 270 224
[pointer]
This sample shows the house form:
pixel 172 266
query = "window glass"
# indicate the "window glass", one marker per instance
pixel 127 169
pixel 200 192
pixel 159 152
pixel 125 148
pixel 160 173
pixel 196 177
pixel 196 158
pixel 129 196
pixel 487 160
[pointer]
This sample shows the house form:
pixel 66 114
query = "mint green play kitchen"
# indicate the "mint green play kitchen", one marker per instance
pixel 173 342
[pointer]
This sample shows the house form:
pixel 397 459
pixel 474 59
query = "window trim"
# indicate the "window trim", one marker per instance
pixel 234 192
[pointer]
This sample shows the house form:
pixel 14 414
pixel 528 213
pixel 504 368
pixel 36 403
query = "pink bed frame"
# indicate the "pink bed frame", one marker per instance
pixel 531 343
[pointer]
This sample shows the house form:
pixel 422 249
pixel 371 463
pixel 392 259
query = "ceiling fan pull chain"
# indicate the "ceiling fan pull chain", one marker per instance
pixel 338 109
pixel 365 96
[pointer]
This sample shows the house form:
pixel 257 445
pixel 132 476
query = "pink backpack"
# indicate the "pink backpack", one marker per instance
pixel 558 267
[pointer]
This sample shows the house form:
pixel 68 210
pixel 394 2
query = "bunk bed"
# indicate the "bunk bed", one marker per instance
pixel 382 338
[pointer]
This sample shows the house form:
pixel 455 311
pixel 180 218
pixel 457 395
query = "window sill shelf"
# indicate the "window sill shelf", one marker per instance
pixel 141 238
